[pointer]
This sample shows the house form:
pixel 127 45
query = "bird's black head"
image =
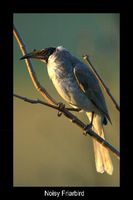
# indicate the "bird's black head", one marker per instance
pixel 41 55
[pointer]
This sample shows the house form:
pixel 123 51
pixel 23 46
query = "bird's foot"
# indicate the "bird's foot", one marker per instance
pixel 89 126
pixel 60 106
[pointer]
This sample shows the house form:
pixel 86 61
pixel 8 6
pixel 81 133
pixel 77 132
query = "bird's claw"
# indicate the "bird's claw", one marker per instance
pixel 89 126
pixel 59 113
pixel 60 106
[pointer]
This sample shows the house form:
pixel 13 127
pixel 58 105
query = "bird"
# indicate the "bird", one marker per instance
pixel 77 84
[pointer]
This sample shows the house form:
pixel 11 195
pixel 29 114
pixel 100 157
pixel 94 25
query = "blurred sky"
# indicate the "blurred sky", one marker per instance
pixel 51 151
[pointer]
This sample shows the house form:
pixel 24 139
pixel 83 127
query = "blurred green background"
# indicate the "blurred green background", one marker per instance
pixel 48 150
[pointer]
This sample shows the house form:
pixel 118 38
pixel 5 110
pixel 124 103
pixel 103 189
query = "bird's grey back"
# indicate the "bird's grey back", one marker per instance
pixel 64 64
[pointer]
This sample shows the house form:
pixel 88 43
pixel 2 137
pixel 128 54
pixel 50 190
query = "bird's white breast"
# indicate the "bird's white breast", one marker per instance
pixel 60 71
pixel 59 82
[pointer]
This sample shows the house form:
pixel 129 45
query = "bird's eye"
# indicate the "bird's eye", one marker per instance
pixel 34 50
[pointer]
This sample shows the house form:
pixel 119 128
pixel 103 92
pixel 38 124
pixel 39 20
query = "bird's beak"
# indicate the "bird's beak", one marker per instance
pixel 34 54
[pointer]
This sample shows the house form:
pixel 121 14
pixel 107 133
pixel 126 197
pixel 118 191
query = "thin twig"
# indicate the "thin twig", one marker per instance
pixel 38 101
pixel 55 105
pixel 86 57
pixel 73 119
pixel 30 68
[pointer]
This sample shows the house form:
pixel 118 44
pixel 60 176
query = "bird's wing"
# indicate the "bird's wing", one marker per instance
pixel 89 84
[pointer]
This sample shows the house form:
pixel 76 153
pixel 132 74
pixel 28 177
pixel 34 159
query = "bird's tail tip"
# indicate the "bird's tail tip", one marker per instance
pixel 102 158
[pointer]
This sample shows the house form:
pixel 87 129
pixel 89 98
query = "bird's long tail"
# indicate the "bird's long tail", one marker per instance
pixel 102 157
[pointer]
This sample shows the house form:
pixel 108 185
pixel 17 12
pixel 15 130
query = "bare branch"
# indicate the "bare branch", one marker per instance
pixel 52 103
pixel 86 57
pixel 38 101
pixel 31 71
pixel 75 120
